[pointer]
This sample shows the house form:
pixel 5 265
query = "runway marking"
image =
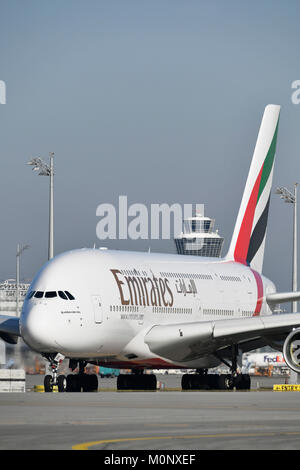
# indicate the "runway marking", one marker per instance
pixel 87 445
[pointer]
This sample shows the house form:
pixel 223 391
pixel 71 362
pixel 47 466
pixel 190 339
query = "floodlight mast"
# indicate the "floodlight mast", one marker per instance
pixel 51 209
pixel 20 250
pixel 291 198
pixel 47 170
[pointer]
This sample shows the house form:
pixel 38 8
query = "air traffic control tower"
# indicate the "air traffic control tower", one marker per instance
pixel 198 237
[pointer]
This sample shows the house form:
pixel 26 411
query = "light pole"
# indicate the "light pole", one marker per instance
pixel 291 198
pixel 20 250
pixel 47 170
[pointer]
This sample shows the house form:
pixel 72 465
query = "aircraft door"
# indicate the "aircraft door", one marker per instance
pixel 97 306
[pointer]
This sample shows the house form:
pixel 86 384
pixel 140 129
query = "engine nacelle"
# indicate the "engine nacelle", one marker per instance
pixel 291 350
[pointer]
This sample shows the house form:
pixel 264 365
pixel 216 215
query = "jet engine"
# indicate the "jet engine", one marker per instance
pixel 291 350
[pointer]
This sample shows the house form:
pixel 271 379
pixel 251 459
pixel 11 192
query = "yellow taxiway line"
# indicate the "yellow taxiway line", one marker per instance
pixel 87 445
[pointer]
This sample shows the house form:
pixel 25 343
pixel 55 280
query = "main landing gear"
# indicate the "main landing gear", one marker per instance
pixel 204 381
pixel 80 382
pixel 136 381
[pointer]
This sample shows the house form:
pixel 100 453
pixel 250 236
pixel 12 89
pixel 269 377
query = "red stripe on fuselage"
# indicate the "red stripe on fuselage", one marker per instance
pixel 159 363
pixel 260 292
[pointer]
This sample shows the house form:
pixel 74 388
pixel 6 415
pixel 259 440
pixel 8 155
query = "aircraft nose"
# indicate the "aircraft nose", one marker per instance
pixel 37 329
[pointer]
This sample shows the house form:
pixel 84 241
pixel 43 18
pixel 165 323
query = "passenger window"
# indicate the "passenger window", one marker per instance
pixel 62 295
pixel 38 294
pixel 50 294
pixel 69 295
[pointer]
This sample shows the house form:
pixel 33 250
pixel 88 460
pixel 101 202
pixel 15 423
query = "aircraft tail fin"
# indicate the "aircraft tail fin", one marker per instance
pixel 248 240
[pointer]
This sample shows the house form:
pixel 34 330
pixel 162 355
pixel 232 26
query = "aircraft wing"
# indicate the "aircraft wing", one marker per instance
pixel 282 297
pixel 9 329
pixel 184 342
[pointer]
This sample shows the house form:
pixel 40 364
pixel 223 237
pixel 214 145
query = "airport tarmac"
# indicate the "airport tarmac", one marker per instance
pixel 161 420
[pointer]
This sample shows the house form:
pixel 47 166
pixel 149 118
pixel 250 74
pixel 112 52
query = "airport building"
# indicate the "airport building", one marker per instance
pixel 198 237
pixel 8 296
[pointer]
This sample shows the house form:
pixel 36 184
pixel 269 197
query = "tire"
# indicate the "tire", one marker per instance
pixel 73 383
pixel 48 383
pixel 200 382
pixel 225 382
pixel 69 385
pixel 136 382
pixel 185 382
pixel 243 382
pixel 121 382
pixel 195 382
pixel 89 383
pixel 213 381
pixel 61 383
pixel 247 381
pixel 149 382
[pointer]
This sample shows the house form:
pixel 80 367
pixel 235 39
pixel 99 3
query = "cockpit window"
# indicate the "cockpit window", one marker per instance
pixel 62 295
pixel 70 295
pixel 39 294
pixel 50 294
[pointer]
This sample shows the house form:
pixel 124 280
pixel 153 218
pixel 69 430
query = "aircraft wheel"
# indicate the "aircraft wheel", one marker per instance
pixel 89 383
pixel 136 382
pixel 143 382
pixel 185 382
pixel 193 382
pixel 200 382
pixel 242 382
pixel 121 385
pixel 69 387
pixel 247 381
pixel 61 383
pixel 225 382
pixel 153 382
pixel 48 383
pixel 149 382
pixel 213 381
pixel 73 383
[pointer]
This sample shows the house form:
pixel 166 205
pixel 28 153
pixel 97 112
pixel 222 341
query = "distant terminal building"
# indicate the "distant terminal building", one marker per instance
pixel 198 238
pixel 8 296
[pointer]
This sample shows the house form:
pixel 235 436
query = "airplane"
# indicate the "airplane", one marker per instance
pixel 145 311
pixel 264 360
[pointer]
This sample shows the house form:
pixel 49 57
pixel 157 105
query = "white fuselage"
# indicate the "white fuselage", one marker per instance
pixel 119 296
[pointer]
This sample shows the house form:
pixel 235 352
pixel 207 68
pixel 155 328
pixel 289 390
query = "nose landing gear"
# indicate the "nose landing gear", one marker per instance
pixel 80 382
pixel 50 381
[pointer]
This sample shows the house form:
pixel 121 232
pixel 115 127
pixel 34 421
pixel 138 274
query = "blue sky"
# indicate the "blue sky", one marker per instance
pixel 157 100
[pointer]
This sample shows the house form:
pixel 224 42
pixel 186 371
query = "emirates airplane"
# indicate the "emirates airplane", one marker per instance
pixel 143 311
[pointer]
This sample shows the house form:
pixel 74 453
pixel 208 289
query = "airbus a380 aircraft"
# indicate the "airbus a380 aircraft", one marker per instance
pixel 143 311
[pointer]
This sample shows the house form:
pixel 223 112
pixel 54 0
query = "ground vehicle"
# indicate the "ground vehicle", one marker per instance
pixel 108 372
